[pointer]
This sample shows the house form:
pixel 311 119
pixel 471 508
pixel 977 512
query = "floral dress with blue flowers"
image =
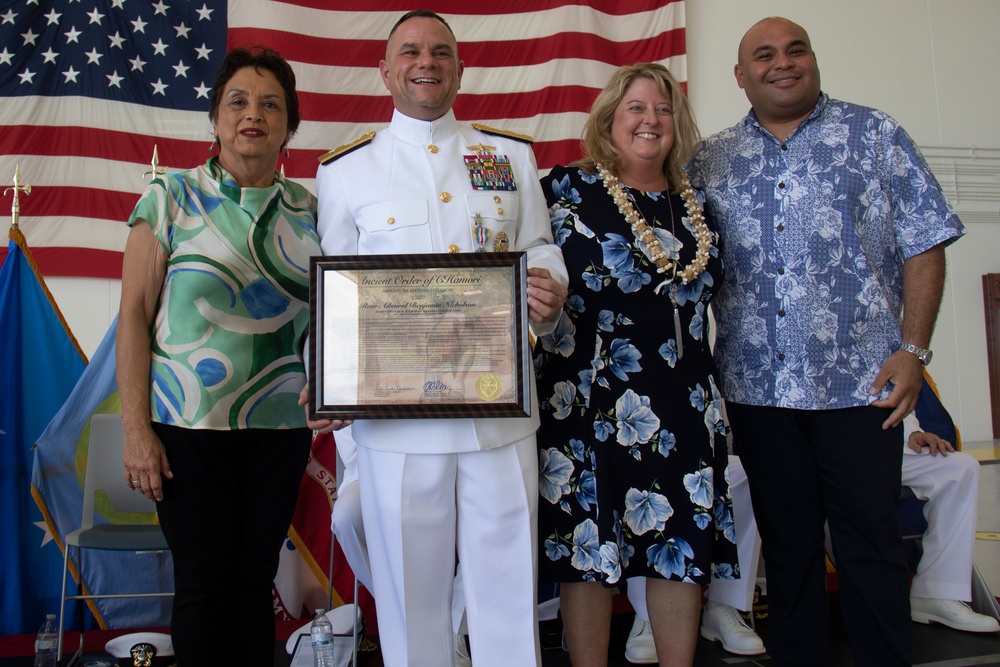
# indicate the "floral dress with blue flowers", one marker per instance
pixel 632 450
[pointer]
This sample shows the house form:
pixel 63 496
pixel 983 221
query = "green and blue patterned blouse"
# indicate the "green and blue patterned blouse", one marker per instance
pixel 233 312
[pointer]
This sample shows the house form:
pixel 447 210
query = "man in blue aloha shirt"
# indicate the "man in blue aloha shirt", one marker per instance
pixel 833 231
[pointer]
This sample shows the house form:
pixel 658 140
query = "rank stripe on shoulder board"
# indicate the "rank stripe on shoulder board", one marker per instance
pixel 517 136
pixel 341 151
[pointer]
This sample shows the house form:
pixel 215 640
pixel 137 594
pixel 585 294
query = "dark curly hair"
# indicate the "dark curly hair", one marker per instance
pixel 258 57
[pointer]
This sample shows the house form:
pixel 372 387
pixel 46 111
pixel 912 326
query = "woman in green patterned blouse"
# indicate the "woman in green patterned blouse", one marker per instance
pixel 214 313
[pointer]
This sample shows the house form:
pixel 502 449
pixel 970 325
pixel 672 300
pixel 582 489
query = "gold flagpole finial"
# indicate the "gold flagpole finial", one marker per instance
pixel 156 170
pixel 17 189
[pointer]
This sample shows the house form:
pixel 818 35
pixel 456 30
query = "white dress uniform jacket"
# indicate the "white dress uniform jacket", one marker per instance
pixel 409 191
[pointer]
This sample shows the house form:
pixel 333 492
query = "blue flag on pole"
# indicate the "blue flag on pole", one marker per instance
pixel 41 363
pixel 57 484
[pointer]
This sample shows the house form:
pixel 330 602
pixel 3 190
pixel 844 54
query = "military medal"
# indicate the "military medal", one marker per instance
pixel 489 171
pixel 501 242
pixel 482 234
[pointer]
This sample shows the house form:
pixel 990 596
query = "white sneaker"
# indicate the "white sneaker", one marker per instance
pixel 639 649
pixel 952 613
pixel 462 656
pixel 723 624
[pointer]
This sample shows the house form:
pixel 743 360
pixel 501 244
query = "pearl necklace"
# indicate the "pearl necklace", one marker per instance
pixel 644 233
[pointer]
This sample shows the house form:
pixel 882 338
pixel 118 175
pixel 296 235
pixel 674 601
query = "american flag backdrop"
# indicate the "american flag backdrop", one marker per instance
pixel 87 87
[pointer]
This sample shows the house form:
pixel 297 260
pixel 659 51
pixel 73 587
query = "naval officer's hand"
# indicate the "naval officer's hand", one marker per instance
pixel 545 296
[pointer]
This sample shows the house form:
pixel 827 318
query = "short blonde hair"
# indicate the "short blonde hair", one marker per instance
pixel 597 144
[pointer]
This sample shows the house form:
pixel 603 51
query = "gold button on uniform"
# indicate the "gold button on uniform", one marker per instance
pixel 453 248
pixel 445 197
pixel 390 221
pixel 500 211
pixel 496 199
pixel 432 148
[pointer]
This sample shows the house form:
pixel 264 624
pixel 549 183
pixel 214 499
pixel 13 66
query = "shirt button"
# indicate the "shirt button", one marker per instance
pixel 432 148
pixel 781 186
pixel 781 272
pixel 390 221
pixel 784 147
pixel 499 211
pixel 445 197
pixel 780 228
pixel 496 199
pixel 781 357
pixel 453 248
pixel 781 313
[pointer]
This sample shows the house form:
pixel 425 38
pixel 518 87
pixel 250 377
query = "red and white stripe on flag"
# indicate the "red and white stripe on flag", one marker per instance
pixel 532 66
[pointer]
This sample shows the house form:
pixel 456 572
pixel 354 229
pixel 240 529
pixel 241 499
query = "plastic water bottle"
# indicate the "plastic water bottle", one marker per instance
pixel 322 641
pixel 47 643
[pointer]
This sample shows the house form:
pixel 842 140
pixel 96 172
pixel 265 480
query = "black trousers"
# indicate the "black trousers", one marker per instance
pixel 225 515
pixel 838 466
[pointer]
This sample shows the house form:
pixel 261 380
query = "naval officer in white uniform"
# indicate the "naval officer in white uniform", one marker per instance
pixel 434 487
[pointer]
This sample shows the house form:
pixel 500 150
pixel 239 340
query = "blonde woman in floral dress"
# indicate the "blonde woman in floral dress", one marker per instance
pixel 632 441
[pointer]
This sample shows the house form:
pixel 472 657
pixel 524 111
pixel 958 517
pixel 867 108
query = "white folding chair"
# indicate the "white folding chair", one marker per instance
pixel 105 473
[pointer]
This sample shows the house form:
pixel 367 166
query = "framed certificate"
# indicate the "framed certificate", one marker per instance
pixel 408 336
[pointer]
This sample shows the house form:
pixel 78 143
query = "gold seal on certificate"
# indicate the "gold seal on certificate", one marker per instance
pixel 489 386
pixel 434 335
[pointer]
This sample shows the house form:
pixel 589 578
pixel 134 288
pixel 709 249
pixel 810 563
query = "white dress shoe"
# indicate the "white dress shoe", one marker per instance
pixel 723 624
pixel 952 613
pixel 462 656
pixel 639 649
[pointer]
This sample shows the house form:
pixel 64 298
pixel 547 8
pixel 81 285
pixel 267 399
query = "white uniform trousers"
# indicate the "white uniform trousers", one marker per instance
pixel 349 528
pixel 950 484
pixel 419 510
pixel 736 593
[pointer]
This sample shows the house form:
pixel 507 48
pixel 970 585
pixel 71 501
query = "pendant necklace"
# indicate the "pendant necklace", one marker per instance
pixel 672 289
pixel 659 256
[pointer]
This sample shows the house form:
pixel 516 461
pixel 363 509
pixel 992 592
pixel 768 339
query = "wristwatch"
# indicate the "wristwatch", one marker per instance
pixel 923 355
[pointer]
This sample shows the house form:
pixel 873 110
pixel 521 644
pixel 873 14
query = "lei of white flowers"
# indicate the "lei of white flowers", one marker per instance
pixel 644 233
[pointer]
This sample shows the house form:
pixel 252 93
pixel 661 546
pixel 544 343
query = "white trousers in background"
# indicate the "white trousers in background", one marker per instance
pixel 951 485
pixel 419 510
pixel 348 526
pixel 736 593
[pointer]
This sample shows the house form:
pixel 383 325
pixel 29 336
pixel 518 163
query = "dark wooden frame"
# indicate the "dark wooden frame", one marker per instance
pixel 991 303
pixel 519 406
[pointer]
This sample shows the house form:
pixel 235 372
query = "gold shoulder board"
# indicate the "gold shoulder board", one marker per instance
pixel 517 136
pixel 341 151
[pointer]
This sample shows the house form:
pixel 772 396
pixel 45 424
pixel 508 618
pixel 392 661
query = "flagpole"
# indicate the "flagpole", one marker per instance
pixel 156 170
pixel 17 189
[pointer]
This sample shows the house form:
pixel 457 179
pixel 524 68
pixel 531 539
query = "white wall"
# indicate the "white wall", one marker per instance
pixel 932 64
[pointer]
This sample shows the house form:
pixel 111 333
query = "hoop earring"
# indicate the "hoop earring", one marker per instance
pixel 287 154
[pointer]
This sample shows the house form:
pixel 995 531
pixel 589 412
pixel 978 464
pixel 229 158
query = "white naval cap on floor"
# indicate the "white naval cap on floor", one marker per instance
pixel 121 647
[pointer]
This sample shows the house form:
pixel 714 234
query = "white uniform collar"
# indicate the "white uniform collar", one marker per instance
pixel 422 132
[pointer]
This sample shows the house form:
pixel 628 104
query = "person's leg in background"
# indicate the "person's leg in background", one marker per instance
pixel 720 621
pixel 943 582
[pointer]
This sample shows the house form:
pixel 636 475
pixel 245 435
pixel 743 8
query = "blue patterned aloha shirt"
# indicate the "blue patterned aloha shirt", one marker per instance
pixel 815 231
pixel 234 308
